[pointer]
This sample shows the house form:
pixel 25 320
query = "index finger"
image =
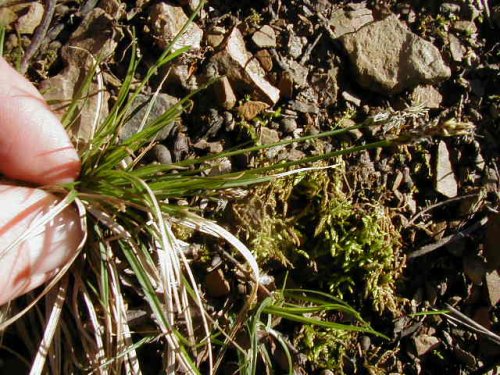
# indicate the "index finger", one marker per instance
pixel 34 146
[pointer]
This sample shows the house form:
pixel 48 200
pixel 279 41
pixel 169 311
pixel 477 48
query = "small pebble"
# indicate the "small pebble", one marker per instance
pixel 162 154
pixel 288 125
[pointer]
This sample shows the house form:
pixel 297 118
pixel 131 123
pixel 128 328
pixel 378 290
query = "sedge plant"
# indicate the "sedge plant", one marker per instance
pixel 130 256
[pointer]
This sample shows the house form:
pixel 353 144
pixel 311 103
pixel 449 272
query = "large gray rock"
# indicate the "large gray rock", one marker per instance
pixel 389 58
pixel 138 120
pixel 243 70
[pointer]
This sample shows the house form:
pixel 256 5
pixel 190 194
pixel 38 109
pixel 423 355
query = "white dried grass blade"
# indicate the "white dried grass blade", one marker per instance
pixel 86 339
pixel 124 335
pixel 209 227
pixel 202 310
pixel 217 231
pixel 172 276
pixel 301 170
pixel 100 355
pixel 50 329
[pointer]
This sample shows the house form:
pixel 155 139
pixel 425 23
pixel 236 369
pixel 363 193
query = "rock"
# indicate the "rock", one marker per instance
pixel 181 145
pixel 161 104
pixel 251 109
pixel 224 93
pixel 214 40
pixel 216 284
pixel 293 155
pixel 179 74
pixel 288 125
pixel 166 20
pixel 493 286
pixel 295 45
pixel 457 51
pixel 427 96
pixel 466 27
pixel 210 147
pixel 265 59
pixel 445 182
pixel 228 121
pixel 285 85
pixel 220 166
pixel 492 242
pixel 162 154
pixel 265 37
pixel 346 21
pixel 365 342
pixel 243 71
pixel 7 16
pixel 425 343
pixel 449 8
pixel 348 97
pixel 192 4
pixel 268 136
pixel 388 58
pixel 215 36
pixel 474 268
pixel 298 73
pixel 61 89
pixel 303 107
pixel 96 37
pixel 115 8
pixel 27 23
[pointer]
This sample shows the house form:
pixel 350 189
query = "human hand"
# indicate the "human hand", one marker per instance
pixel 34 147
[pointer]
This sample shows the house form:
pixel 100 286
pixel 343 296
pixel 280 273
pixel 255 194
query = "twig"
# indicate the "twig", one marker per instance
pixel 471 324
pixel 307 54
pixel 448 239
pixel 40 33
pixel 431 207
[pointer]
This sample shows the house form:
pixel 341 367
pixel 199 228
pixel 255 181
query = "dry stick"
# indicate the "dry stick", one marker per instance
pixel 448 239
pixel 431 207
pixel 39 36
pixel 463 319
pixel 307 54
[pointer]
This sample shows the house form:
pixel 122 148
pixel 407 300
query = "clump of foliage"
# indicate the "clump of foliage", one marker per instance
pixel 325 347
pixel 348 247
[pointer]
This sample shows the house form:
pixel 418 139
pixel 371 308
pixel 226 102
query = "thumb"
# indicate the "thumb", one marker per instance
pixel 30 263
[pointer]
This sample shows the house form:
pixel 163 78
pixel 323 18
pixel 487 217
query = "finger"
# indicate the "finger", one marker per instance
pixel 35 260
pixel 33 144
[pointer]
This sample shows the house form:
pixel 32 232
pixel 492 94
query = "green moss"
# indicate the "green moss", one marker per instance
pixel 329 242
pixel 324 347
